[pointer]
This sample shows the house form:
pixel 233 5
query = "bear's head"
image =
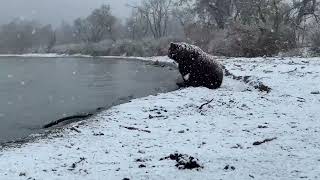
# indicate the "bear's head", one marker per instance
pixel 181 52
pixel 173 52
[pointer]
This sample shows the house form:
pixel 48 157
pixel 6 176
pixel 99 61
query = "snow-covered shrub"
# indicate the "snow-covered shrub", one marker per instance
pixel 68 48
pixel 158 47
pixel 251 41
pixel 296 52
pixel 126 48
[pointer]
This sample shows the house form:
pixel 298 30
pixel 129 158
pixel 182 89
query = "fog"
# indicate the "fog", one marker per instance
pixel 55 11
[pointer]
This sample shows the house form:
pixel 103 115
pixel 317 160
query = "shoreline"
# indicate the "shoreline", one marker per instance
pixel 54 55
pixel 242 133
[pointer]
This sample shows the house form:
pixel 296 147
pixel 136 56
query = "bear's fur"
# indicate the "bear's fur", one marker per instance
pixel 196 67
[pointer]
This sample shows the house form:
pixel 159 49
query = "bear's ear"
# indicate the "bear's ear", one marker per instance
pixel 173 45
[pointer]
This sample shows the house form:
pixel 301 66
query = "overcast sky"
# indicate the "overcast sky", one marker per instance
pixel 54 11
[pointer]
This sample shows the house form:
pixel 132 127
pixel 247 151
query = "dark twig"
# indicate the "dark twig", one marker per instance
pixel 74 165
pixel 205 104
pixel 75 129
pixel 264 141
pixel 151 117
pixel 81 116
pixel 290 71
pixel 137 129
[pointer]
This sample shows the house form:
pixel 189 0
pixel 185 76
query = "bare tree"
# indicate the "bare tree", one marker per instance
pixel 101 23
pixel 217 11
pixel 157 14
pixel 184 11
pixel 82 30
pixel 52 41
pixel 137 25
pixel 65 34
pixel 97 26
pixel 24 36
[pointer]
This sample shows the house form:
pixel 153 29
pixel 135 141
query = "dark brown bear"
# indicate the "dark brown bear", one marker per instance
pixel 196 67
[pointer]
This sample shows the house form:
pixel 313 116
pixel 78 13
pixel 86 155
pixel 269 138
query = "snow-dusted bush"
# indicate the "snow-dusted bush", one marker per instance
pixel 297 52
pixel 68 48
pixel 251 41
pixel 126 48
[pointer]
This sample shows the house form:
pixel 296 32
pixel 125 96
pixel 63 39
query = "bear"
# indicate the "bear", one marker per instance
pixel 196 66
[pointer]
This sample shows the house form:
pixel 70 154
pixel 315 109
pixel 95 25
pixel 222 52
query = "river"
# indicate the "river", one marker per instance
pixel 36 91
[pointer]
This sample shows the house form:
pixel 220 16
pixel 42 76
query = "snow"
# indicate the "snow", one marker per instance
pixel 186 77
pixel 283 124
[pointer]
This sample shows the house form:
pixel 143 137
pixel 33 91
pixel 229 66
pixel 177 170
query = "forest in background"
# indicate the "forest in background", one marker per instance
pixel 237 28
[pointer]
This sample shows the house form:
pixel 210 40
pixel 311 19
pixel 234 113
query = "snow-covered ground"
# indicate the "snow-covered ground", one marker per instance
pixel 242 134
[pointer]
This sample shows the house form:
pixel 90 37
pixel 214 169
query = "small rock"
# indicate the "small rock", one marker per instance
pixel 22 174
pixel 228 167
pixel 237 146
pixel 315 92
pixel 262 127
pixel 182 131
pixel 142 166
pixel 139 160
pixel 98 134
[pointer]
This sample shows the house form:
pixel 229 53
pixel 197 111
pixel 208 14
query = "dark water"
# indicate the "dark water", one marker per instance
pixel 36 91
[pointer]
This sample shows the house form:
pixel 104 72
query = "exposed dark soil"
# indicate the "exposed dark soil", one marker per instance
pixel 184 161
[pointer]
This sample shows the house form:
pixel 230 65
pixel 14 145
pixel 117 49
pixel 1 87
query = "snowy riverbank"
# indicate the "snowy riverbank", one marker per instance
pixel 54 55
pixel 242 134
